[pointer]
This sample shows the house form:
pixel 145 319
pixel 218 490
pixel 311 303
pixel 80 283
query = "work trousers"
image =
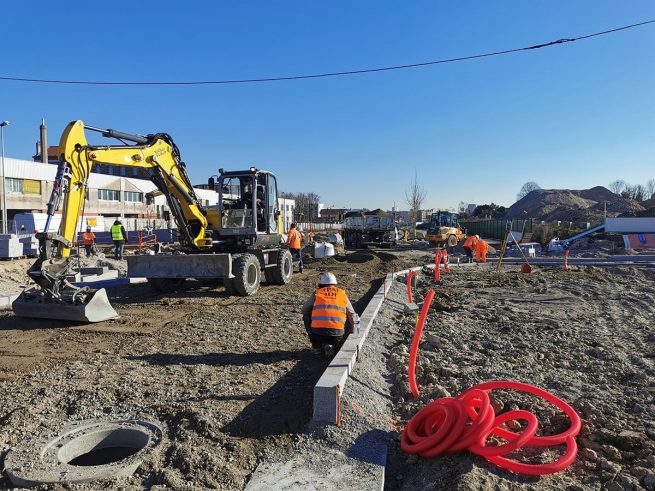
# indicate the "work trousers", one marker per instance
pixel 319 340
pixel 88 249
pixel 118 249
pixel 297 253
pixel 469 254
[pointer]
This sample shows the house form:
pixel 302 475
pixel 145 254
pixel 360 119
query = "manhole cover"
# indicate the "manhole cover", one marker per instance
pixel 84 452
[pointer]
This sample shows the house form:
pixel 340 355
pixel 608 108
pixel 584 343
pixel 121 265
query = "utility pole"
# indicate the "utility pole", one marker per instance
pixel 4 189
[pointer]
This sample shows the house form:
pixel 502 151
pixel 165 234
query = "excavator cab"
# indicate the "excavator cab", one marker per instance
pixel 247 209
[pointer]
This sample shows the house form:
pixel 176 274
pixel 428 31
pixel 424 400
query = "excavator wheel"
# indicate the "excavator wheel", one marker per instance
pixel 281 273
pixel 166 285
pixel 247 275
pixel 452 240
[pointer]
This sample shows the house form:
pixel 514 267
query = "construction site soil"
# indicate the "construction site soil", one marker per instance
pixel 230 377
pixel 588 336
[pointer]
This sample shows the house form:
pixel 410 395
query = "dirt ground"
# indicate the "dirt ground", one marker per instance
pixel 588 336
pixel 230 377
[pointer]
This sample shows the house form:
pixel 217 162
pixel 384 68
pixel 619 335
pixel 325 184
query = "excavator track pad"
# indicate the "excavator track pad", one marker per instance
pixel 94 306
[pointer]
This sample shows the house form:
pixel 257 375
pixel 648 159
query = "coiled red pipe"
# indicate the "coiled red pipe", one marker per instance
pixel 452 424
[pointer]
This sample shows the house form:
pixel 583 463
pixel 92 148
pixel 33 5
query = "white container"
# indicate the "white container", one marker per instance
pixel 323 250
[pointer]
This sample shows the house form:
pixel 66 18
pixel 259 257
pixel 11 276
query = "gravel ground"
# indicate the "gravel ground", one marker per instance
pixel 231 378
pixel 588 336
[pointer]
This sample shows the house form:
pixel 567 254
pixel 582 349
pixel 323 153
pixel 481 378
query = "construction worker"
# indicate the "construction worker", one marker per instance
pixel 119 236
pixel 470 246
pixel 481 251
pixel 294 239
pixel 326 314
pixel 89 240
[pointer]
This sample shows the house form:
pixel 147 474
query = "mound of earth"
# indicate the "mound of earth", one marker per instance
pixel 573 205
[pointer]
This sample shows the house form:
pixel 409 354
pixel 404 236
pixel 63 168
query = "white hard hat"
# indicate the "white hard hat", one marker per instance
pixel 477 237
pixel 328 279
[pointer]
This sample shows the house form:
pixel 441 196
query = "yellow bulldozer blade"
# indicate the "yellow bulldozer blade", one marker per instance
pixel 95 308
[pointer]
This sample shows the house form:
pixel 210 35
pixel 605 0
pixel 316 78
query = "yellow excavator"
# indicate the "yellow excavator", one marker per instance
pixel 235 242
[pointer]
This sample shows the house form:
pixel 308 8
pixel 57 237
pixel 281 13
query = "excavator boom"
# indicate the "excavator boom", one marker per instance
pixel 53 296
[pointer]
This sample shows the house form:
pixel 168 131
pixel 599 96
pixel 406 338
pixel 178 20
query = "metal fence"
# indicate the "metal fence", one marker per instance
pixel 495 229
pixel 318 227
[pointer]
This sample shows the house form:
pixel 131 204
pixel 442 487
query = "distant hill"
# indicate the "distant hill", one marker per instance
pixel 573 205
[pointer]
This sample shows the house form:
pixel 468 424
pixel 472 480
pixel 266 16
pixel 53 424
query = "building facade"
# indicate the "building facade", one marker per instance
pixel 29 185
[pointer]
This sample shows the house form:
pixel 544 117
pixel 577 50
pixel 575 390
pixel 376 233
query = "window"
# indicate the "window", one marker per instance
pixel 31 186
pixel 133 196
pixel 109 195
pixel 14 185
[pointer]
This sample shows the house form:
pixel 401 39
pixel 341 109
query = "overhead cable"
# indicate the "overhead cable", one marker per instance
pixel 332 74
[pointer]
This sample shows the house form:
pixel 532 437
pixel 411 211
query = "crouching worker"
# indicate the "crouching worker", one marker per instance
pixel 326 314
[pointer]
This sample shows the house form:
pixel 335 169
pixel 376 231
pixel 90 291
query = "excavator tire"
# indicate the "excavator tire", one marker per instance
pixel 452 240
pixel 281 273
pixel 247 275
pixel 166 285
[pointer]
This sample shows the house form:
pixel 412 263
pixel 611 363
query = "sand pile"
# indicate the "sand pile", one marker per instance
pixel 585 205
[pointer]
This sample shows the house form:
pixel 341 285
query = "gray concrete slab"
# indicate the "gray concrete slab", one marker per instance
pixel 7 300
pixel 323 469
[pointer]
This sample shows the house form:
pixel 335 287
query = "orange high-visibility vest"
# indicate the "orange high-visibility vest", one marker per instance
pixel 293 239
pixel 329 310
pixel 87 238
pixel 471 242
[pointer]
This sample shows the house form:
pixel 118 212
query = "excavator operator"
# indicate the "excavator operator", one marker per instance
pixel 246 199
pixel 326 313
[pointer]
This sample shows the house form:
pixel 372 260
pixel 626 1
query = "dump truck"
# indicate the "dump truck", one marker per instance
pixel 444 229
pixel 364 228
pixel 236 242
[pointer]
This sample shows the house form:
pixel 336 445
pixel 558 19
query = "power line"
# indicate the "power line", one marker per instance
pixel 335 74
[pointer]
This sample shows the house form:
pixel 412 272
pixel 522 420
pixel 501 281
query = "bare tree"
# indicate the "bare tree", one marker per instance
pixel 640 193
pixel 414 197
pixel 635 192
pixel 306 208
pixel 650 188
pixel 617 186
pixel 528 187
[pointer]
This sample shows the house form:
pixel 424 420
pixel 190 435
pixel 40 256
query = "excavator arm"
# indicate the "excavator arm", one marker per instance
pixel 53 296
pixel 157 153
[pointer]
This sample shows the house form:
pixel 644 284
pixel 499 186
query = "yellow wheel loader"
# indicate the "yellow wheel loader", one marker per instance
pixel 236 242
pixel 444 230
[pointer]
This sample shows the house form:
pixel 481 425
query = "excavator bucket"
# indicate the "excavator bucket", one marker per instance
pixel 95 308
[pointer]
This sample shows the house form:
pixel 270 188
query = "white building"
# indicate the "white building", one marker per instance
pixel 287 207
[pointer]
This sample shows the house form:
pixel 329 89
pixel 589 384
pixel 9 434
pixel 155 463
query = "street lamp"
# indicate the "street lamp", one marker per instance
pixel 4 189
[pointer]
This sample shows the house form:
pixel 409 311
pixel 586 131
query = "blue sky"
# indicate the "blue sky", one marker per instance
pixel 571 116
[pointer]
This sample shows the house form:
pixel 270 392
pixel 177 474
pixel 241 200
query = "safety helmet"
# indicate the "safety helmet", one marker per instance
pixel 328 279
pixel 88 229
pixel 477 237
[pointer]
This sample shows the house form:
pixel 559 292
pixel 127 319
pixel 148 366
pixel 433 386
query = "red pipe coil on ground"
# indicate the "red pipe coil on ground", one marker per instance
pixel 437 267
pixel 452 424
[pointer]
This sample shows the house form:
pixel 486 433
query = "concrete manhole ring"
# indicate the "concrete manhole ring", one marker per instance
pixel 84 452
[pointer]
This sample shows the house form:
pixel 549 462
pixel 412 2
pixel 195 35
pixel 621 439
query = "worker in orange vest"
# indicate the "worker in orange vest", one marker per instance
pixel 89 240
pixel 294 239
pixel 326 313
pixel 481 251
pixel 470 246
